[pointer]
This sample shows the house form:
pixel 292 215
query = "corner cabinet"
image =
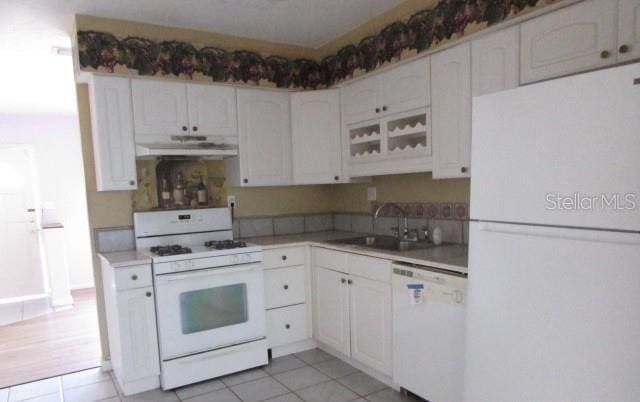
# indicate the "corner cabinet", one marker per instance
pixel 451 109
pixel 264 140
pixel 315 131
pixel 112 132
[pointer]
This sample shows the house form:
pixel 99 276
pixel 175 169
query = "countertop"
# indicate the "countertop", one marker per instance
pixel 127 258
pixel 453 257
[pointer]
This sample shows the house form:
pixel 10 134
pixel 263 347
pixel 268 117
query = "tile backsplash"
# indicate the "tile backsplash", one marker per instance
pixel 451 218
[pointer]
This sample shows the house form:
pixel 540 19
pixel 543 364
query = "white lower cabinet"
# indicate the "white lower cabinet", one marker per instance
pixel 131 324
pixel 287 286
pixel 352 313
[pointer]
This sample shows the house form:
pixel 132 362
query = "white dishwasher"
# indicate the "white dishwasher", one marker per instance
pixel 428 331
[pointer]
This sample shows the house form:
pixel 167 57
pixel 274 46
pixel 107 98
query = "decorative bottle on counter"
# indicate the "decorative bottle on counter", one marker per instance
pixel 178 190
pixel 202 192
pixel 165 194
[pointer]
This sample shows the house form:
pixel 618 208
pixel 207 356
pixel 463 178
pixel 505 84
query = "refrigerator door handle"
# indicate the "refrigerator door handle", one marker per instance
pixel 600 236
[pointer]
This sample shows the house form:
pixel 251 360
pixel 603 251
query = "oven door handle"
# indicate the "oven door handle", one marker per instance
pixel 207 272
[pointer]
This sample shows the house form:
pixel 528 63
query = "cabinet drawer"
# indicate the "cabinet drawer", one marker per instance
pixel 284 286
pixel 331 259
pixel 286 325
pixel 134 277
pixel 282 257
pixel 369 267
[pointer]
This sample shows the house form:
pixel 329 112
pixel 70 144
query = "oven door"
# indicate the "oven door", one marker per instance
pixel 209 309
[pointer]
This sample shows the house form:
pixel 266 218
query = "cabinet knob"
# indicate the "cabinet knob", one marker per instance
pixel 185 128
pixel 349 282
pixel 148 294
pixel 286 287
pixel 343 280
pixel 336 178
pixel 463 169
pixel 134 277
pixel 195 128
pixel 623 48
pixel 245 180
pixel 604 54
pixel 131 182
pixel 284 258
pixel 287 326
pixel 385 108
pixel 377 110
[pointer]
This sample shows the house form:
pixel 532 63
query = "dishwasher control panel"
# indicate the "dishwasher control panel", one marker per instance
pixel 436 286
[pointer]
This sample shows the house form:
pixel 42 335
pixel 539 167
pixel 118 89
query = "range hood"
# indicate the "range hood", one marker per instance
pixel 188 146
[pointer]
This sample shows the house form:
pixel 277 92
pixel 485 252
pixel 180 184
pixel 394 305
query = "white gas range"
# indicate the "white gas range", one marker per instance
pixel 209 294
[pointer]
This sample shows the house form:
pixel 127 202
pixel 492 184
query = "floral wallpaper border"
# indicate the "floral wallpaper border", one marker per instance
pixel 422 31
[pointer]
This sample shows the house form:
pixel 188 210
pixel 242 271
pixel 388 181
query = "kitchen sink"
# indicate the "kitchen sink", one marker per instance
pixel 389 243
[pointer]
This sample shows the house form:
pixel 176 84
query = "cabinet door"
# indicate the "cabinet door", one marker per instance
pixel 361 100
pixel 370 316
pixel 495 61
pixel 212 110
pixel 574 39
pixel 265 138
pixel 315 130
pixel 139 338
pixel 451 112
pixel 159 108
pixel 628 30
pixel 331 308
pixel 406 87
pixel 112 128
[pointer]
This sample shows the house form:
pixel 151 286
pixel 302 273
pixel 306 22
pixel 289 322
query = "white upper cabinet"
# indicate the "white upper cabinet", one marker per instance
pixel 362 99
pixel 628 30
pixel 406 87
pixel 451 111
pixel 212 110
pixel 315 129
pixel 495 61
pixel 159 108
pixel 112 130
pixel 570 40
pixel 264 140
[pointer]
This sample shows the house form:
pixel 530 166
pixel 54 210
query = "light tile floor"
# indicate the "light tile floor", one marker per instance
pixel 308 376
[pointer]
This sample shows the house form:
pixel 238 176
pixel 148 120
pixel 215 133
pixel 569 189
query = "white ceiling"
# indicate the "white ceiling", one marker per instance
pixel 34 81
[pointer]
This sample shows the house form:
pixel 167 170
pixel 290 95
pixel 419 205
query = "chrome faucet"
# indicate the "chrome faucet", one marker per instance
pixel 405 214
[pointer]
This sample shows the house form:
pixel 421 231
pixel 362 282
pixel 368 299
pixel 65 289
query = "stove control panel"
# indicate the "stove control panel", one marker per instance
pixel 223 261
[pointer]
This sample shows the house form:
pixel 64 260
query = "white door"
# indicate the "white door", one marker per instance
pixel 315 132
pixel 112 130
pixel 451 112
pixel 558 142
pixel 159 109
pixel 212 110
pixel 574 39
pixel 406 87
pixel 137 317
pixel 19 247
pixel 628 30
pixel 208 309
pixel 265 138
pixel 362 100
pixel 552 314
pixel 331 309
pixel 370 317
pixel 495 61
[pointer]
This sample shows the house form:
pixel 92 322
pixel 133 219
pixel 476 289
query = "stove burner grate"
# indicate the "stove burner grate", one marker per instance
pixel 224 244
pixel 174 249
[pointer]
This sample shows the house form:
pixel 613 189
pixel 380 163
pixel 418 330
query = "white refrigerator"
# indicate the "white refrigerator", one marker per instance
pixel 554 260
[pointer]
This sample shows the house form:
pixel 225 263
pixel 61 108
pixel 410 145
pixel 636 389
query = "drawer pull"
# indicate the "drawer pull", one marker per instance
pixel 287 326
pixel 343 280
pixel 349 282
pixel 286 287
pixel 284 258
pixel 148 294
pixel 134 277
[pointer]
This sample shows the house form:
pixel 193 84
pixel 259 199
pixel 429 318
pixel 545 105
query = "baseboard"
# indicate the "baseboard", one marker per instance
pixel 83 286
pixel 291 348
